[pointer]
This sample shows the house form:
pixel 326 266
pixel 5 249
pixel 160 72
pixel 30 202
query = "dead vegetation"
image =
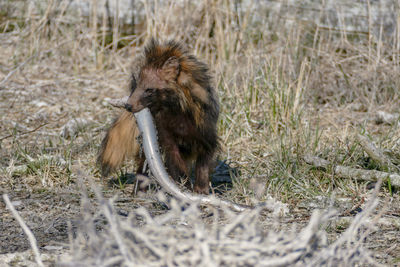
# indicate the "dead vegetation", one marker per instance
pixel 295 78
pixel 183 237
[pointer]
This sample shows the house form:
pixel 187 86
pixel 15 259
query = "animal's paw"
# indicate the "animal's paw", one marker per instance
pixel 205 190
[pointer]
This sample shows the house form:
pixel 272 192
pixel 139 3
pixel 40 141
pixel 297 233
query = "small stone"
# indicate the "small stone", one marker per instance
pixel 39 103
pixel 384 117
pixel 16 203
pixel 73 127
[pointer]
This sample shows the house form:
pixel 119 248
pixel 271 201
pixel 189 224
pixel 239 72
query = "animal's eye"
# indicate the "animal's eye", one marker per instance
pixel 149 91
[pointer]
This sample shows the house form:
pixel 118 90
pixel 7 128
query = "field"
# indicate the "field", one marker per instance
pixel 309 95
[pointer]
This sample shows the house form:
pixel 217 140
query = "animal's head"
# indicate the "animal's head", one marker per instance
pixel 159 74
pixel 172 78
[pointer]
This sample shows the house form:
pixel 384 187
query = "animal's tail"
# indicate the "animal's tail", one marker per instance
pixel 119 143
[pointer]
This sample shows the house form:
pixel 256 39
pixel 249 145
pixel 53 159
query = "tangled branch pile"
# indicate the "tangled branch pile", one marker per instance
pixel 184 237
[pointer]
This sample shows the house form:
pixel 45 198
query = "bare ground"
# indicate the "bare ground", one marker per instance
pixel 47 82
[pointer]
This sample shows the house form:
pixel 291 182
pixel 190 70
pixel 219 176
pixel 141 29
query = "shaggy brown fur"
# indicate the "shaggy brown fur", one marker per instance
pixel 177 89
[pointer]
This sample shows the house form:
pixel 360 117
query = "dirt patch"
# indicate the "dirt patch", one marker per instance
pixel 47 215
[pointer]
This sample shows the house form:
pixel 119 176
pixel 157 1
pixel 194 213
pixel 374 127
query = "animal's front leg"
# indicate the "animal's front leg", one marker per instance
pixel 201 184
pixel 176 165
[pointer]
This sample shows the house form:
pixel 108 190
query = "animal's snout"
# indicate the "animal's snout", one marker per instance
pixel 128 107
pixel 134 107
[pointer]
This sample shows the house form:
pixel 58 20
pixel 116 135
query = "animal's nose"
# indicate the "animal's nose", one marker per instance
pixel 128 107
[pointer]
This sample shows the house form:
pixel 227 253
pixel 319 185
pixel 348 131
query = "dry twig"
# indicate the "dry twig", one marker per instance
pixel 31 237
pixel 27 132
pixel 353 173
pixel 182 237
pixel 375 153
pixel 118 103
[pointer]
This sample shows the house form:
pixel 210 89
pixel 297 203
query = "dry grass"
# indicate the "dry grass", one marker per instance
pixel 182 236
pixel 293 77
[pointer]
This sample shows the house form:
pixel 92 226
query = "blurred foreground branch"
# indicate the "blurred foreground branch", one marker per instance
pixel 31 237
pixel 182 236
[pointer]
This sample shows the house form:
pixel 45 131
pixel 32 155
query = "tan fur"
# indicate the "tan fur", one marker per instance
pixel 196 90
pixel 184 79
pixel 119 143
pixel 199 92
pixel 196 110
pixel 187 88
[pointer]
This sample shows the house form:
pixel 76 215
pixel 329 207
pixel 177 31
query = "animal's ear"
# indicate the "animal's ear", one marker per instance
pixel 170 69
